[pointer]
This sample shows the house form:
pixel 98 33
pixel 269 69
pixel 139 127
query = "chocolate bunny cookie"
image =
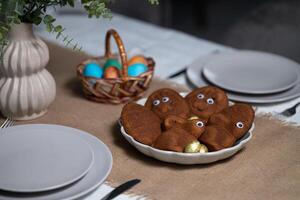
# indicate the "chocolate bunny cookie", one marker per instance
pixel 205 101
pixel 164 102
pixel 237 119
pixel 141 123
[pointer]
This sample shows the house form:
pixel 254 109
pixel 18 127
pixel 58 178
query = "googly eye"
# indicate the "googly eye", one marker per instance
pixel 200 96
pixel 210 101
pixel 156 102
pixel 199 124
pixel 240 125
pixel 165 99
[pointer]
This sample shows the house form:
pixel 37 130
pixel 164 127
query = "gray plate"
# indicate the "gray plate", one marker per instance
pixel 96 176
pixel 194 75
pixel 251 72
pixel 35 159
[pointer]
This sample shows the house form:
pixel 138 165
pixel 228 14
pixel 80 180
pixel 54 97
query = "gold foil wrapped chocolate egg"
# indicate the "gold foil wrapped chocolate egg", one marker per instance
pixel 193 147
pixel 203 149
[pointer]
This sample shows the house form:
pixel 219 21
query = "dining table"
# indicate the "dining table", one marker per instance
pixel 173 52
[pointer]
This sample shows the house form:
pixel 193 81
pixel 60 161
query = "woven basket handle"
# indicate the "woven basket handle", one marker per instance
pixel 121 48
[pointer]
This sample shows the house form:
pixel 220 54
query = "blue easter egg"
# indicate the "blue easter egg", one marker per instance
pixel 93 70
pixel 137 69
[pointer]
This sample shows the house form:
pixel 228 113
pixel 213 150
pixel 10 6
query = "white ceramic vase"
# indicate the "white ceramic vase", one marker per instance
pixel 26 87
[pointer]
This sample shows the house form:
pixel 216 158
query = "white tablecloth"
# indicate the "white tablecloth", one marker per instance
pixel 172 50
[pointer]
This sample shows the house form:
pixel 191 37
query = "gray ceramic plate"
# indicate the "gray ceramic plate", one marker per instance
pixel 251 72
pixel 35 159
pixel 96 176
pixel 194 75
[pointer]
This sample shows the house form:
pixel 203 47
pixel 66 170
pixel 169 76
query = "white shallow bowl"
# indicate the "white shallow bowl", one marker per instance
pixel 187 158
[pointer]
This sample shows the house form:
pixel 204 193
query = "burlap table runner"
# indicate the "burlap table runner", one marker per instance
pixel 268 168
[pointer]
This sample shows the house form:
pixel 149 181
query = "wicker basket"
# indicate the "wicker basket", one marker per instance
pixel 117 90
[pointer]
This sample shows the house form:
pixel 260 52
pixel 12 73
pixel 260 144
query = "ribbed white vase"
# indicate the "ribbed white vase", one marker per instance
pixel 26 87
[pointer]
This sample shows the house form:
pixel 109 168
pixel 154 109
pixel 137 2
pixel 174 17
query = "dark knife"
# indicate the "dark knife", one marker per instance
pixel 177 73
pixel 121 188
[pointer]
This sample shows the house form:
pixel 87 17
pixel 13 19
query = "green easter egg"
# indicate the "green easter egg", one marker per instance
pixel 112 62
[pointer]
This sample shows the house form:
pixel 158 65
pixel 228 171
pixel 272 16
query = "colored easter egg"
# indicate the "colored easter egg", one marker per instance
pixel 137 69
pixel 93 70
pixel 112 62
pixel 111 72
pixel 137 59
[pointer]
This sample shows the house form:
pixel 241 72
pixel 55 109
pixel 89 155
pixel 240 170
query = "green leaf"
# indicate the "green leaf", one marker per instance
pixel 65 38
pixel 49 27
pixel 69 42
pixel 48 19
pixel 85 1
pixel 154 2
pixel 71 2
pixel 58 35
pixel 2 36
pixel 3 28
pixel 17 21
pixel 36 20
pixel 58 28
pixel 75 47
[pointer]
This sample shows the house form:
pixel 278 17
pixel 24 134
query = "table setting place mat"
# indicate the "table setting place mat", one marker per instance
pixel 267 168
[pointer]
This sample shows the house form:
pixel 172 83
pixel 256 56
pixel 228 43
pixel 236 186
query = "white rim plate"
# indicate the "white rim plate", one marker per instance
pixel 34 159
pixel 187 158
pixel 94 178
pixel 251 72
pixel 194 75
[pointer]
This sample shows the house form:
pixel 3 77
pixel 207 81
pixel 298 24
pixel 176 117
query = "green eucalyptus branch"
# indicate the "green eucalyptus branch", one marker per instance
pixel 48 20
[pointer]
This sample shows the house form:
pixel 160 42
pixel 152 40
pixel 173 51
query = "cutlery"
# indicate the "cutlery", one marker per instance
pixel 177 73
pixel 7 123
pixel 290 111
pixel 121 188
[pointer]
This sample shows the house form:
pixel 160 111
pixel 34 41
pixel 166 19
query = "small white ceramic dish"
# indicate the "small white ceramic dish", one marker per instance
pixel 194 75
pixel 187 158
pixel 251 72
pixel 35 159
pixel 94 178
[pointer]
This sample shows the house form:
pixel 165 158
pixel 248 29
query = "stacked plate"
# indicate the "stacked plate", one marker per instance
pixel 248 76
pixel 45 162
